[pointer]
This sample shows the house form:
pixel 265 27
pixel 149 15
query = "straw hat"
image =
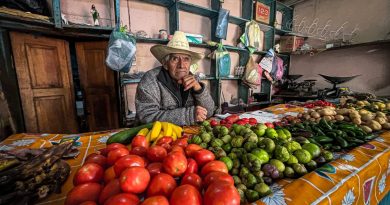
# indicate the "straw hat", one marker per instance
pixel 178 44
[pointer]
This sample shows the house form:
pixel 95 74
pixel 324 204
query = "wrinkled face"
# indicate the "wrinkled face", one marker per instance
pixel 178 65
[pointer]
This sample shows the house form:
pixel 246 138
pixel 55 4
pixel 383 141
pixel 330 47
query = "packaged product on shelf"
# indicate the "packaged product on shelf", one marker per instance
pixel 290 43
pixel 262 12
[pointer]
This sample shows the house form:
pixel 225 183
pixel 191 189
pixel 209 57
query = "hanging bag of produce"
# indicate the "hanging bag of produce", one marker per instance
pixel 121 50
pixel 222 25
pixel 222 58
pixel 252 75
pixel 278 69
pixel 253 37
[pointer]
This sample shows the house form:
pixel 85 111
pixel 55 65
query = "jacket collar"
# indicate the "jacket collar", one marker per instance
pixel 176 90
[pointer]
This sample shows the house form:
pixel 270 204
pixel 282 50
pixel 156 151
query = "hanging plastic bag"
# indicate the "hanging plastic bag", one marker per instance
pixel 278 69
pixel 253 37
pixel 121 50
pixel 266 63
pixel 222 58
pixel 222 24
pixel 252 75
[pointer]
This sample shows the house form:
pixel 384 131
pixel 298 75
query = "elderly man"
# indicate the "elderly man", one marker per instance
pixel 170 92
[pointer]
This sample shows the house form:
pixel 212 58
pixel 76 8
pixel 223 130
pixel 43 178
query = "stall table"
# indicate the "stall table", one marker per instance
pixel 360 176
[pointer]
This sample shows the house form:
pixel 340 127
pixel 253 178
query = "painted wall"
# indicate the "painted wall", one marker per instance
pixel 371 62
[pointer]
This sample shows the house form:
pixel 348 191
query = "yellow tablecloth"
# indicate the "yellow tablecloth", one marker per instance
pixel 361 176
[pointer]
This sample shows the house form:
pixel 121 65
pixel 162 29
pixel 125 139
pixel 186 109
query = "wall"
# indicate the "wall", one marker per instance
pixel 372 18
pixel 371 62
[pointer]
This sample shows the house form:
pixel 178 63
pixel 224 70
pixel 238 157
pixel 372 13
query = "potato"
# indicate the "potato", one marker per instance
pixel 386 126
pixel 380 114
pixel 330 107
pixel 339 117
pixel 388 105
pixel 354 115
pixel 318 120
pixel 312 119
pixel 357 121
pixel 347 119
pixel 363 112
pixel 306 116
pixel 367 117
pixel 366 102
pixel 315 114
pixel 326 112
pixel 327 118
pixel 380 120
pixel 374 125
pixel 360 103
pixel 366 129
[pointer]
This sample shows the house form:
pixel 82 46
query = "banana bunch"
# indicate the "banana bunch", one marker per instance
pixel 160 130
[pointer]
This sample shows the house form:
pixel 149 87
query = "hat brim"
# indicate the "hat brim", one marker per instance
pixel 160 51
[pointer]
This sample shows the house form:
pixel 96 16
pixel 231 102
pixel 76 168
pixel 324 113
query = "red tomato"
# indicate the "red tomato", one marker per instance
pixel 113 146
pixel 156 153
pixel 123 199
pixel 191 149
pixel 269 124
pixel 163 140
pixel 175 164
pixel 166 146
pixel 182 142
pixel 156 200
pixel 154 168
pixel 177 148
pixel 214 166
pixel 96 158
pixel 161 184
pixel 240 122
pixel 217 176
pixel 88 173
pixel 116 154
pixel 88 203
pixel 186 194
pixel 134 180
pixel 109 174
pixel 203 156
pixel 140 151
pixel 103 151
pixel 192 166
pixel 192 179
pixel 221 193
pixel 213 123
pixel 111 189
pixel 83 193
pixel 252 120
pixel 139 141
pixel 126 162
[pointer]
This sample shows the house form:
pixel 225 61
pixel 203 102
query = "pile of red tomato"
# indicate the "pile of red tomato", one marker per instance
pixel 170 173
pixel 234 119
pixel 320 103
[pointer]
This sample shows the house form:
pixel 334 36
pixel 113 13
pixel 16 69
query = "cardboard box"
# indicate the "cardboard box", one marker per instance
pixel 262 13
pixel 278 20
pixel 290 43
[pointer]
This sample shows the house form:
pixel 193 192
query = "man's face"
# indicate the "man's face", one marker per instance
pixel 178 65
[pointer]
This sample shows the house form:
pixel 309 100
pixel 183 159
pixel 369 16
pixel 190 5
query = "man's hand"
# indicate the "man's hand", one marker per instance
pixel 189 82
pixel 200 113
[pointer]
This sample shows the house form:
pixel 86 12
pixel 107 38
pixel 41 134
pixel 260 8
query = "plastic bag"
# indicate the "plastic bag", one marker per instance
pixel 121 51
pixel 222 57
pixel 33 6
pixel 266 62
pixel 252 76
pixel 222 24
pixel 253 37
pixel 278 69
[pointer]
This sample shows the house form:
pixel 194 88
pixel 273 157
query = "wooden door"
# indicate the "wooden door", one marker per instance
pixel 45 83
pixel 98 83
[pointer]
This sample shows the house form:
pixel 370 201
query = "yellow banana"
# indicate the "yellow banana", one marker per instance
pixel 143 132
pixel 156 129
pixel 148 136
pixel 161 135
pixel 167 127
pixel 177 130
pixel 174 137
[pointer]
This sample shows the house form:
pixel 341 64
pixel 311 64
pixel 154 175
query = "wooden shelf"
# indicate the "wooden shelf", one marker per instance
pixel 237 20
pixel 151 40
pixel 282 32
pixel 195 9
pixel 165 3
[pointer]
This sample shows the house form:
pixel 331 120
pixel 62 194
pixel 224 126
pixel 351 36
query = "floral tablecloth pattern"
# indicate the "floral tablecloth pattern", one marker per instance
pixel 361 176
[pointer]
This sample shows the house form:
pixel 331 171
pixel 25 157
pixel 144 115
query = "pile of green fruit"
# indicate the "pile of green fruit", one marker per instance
pixel 258 155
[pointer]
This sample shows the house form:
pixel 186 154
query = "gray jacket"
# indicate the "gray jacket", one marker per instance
pixel 159 98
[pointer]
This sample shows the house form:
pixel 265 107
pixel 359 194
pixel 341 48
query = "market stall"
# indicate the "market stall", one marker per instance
pixel 359 175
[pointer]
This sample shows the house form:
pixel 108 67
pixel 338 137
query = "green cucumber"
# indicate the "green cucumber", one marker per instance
pixel 125 136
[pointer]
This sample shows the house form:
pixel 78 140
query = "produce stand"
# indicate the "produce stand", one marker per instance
pixel 359 176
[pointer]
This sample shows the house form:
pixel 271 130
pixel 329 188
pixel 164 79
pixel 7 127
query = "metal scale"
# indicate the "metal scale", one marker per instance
pixel 335 91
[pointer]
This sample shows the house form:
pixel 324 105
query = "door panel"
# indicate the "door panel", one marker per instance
pixel 45 83
pixel 98 83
